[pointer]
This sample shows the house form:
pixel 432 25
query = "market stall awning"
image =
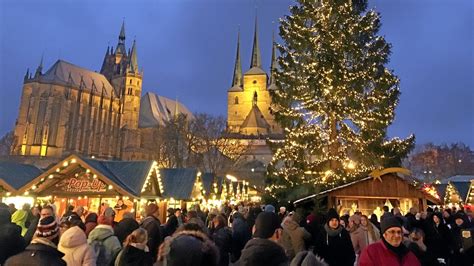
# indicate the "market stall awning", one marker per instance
pixel 76 174
pixel 463 189
pixel 14 175
pixel 179 183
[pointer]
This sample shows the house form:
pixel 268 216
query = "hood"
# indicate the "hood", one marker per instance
pixel 132 254
pixel 101 232
pixel 289 224
pixel 73 237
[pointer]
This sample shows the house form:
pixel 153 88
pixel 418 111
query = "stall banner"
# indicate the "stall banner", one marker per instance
pixel 81 184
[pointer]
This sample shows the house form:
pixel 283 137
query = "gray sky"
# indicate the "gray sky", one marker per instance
pixel 187 50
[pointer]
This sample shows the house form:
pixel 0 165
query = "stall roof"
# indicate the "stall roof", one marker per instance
pixel 17 175
pixel 458 178
pixel 462 188
pixel 441 189
pixel 208 180
pixel 131 175
pixel 178 183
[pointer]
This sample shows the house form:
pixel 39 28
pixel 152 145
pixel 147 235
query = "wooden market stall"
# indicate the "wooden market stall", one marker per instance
pixel 96 184
pixel 457 191
pixel 13 176
pixel 370 194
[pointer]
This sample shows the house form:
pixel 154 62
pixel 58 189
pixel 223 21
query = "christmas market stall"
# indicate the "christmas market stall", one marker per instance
pixel 125 186
pixel 218 189
pixel 370 194
pixel 457 191
pixel 13 176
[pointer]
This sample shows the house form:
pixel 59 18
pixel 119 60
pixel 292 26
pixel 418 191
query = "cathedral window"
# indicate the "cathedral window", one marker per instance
pixel 255 82
pixel 130 81
pixel 236 100
pixel 129 91
pixel 138 83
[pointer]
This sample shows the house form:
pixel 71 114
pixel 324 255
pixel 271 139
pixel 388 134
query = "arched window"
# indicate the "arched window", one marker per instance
pixel 236 100
pixel 255 98
pixel 130 81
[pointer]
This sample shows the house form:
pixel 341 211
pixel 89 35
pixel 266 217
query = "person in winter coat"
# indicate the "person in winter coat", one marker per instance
pixel 193 218
pixel 105 244
pixel 171 223
pixel 415 243
pixel 43 250
pixel 241 234
pixel 124 228
pixel 152 226
pixel 19 218
pixel 459 255
pixel 294 236
pixel 73 243
pixel 371 232
pixel 334 243
pixel 263 249
pixel 91 222
pixel 358 238
pixel 11 241
pixel 188 248
pixel 390 250
pixel 437 237
pixel 135 251
pixel 222 236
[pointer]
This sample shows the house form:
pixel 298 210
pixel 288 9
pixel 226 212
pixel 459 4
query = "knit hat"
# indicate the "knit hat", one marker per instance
pixel 456 216
pixel 266 224
pixel 151 209
pixel 47 228
pixel 439 215
pixel 109 212
pixel 269 208
pixel 310 218
pixel 105 220
pixel 332 214
pixel 389 222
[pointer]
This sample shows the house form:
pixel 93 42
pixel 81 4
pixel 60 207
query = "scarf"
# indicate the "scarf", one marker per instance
pixel 43 241
pixel 400 251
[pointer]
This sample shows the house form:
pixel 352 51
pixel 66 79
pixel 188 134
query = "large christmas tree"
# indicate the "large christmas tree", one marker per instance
pixel 335 100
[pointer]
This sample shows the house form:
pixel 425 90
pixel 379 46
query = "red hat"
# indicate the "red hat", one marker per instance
pixel 47 228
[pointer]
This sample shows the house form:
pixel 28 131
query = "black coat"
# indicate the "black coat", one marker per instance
pixel 459 257
pixel 437 241
pixel 125 227
pixel 11 241
pixel 39 255
pixel 152 225
pixel 222 237
pixel 132 256
pixel 241 234
pixel 335 250
pixel 262 252
pixel 31 230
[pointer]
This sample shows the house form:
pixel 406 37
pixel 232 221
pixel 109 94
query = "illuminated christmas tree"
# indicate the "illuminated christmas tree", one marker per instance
pixel 335 98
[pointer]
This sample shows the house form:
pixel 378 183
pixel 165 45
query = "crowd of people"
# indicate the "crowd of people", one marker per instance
pixel 242 234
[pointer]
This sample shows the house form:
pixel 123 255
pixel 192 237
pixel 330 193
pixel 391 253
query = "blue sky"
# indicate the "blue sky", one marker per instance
pixel 187 50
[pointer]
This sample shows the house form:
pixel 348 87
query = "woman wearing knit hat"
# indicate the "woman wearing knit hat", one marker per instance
pixel 390 250
pixel 333 243
pixel 43 249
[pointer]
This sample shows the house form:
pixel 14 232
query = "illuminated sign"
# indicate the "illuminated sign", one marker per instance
pixel 81 185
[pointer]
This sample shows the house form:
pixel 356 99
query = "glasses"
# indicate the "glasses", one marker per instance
pixel 394 232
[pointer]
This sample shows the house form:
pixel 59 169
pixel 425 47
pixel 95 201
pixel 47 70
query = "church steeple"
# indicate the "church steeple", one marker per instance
pixel 133 63
pixel 237 80
pixel 256 59
pixel 104 63
pixel 121 42
pixel 39 69
pixel 273 65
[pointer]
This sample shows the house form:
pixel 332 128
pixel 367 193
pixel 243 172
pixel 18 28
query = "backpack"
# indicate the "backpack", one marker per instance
pixel 104 257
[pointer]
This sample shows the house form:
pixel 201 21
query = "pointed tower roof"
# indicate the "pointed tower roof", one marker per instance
pixel 256 120
pixel 273 65
pixel 256 59
pixel 133 64
pixel 121 43
pixel 237 79
pixel 104 63
pixel 39 69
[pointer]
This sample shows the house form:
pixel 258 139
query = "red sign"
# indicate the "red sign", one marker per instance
pixel 82 185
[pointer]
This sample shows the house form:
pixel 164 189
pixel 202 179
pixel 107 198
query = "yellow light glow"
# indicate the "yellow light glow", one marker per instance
pixel 50 176
pixel 111 187
pixel 65 164
pixel 73 160
pixel 231 178
pixel 43 150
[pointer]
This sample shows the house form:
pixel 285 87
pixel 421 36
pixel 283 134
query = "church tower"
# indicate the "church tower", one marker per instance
pixel 121 69
pixel 248 100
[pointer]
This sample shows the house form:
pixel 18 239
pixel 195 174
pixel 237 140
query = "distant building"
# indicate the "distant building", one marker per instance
pixel 69 109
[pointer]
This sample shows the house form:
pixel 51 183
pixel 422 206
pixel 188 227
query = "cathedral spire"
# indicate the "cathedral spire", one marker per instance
pixel 104 63
pixel 121 42
pixel 40 68
pixel 273 65
pixel 27 75
pixel 256 60
pixel 237 80
pixel 133 64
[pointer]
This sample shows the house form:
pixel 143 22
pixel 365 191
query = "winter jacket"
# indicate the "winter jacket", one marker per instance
pixel 132 256
pixel 293 237
pixel 11 241
pixel 198 221
pixel 105 244
pixel 262 252
pixel 31 230
pixel 222 237
pixel 359 239
pixel 41 252
pixel 335 246
pixel 459 256
pixel 19 218
pixel 124 228
pixel 437 240
pixel 152 225
pixel 378 254
pixel 241 234
pixel 77 252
